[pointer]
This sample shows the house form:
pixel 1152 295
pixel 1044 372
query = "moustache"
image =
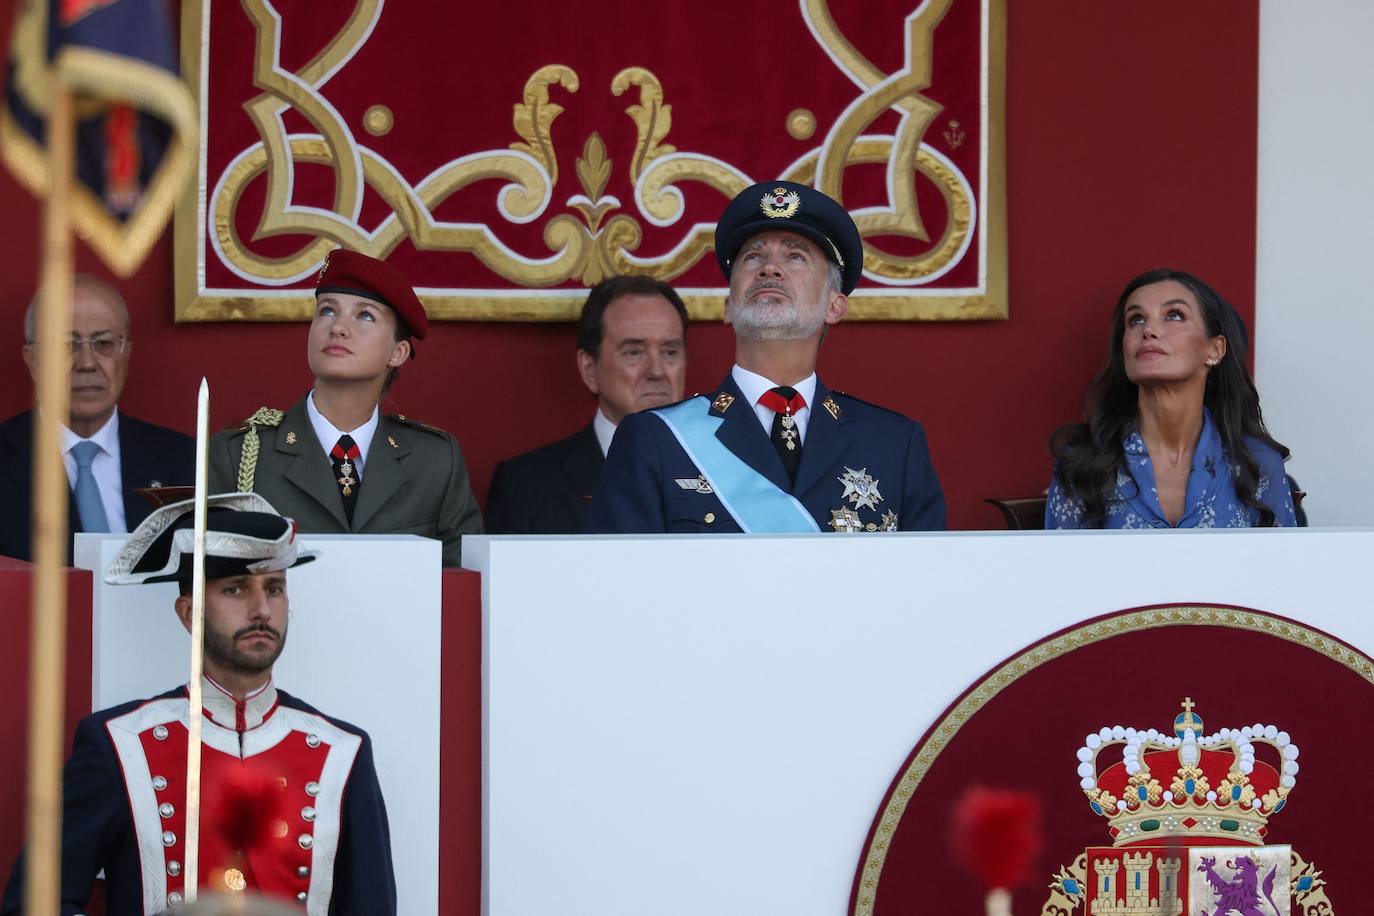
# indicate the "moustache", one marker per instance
pixel 259 628
pixel 762 285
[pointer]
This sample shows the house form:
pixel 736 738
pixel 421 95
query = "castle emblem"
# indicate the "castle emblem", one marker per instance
pixel 1188 814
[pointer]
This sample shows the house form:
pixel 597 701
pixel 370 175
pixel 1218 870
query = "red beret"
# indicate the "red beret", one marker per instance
pixel 347 271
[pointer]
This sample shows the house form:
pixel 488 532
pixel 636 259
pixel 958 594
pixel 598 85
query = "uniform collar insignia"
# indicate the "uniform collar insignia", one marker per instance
pixel 831 408
pixel 722 402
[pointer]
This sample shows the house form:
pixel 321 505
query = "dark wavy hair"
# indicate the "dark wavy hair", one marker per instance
pixel 1089 455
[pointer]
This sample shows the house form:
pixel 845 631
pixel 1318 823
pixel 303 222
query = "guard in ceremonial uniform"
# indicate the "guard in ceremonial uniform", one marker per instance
pixel 322 841
pixel 334 462
pixel 772 449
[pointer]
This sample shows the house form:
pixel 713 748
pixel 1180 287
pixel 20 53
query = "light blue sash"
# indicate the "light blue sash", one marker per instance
pixel 753 501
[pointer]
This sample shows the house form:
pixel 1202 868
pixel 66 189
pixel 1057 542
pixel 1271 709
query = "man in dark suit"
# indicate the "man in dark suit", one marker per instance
pixel 107 454
pixel 772 449
pixel 631 354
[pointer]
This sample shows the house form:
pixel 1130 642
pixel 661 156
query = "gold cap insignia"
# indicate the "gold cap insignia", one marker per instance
pixel 323 268
pixel 831 408
pixel 722 402
pixel 780 203
pixel 291 437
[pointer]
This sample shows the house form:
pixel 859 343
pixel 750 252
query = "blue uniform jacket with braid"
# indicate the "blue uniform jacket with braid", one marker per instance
pixel 642 487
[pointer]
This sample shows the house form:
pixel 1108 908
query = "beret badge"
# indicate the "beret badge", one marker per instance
pixel 780 203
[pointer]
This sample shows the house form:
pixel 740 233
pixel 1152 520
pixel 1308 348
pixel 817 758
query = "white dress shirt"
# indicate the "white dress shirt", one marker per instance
pixel 604 429
pixel 105 468
pixel 329 434
pixel 753 386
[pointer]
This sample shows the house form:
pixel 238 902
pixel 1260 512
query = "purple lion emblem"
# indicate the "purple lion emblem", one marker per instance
pixel 1241 894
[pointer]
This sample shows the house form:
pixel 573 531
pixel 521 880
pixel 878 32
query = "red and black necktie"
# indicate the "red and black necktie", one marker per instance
pixel 345 454
pixel 785 402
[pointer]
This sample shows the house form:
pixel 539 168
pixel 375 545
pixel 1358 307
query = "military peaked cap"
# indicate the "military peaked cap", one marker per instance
pixel 791 207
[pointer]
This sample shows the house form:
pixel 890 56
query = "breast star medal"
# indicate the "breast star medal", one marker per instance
pixel 346 478
pixel 860 489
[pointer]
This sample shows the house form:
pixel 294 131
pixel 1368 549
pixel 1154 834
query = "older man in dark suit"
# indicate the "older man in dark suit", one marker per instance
pixel 107 454
pixel 631 354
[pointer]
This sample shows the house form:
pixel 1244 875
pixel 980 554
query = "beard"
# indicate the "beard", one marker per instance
pixel 758 316
pixel 223 648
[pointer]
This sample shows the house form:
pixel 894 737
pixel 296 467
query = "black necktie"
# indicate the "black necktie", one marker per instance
pixel 344 454
pixel 785 402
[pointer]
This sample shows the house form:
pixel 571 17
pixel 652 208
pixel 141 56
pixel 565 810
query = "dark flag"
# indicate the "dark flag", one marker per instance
pixel 136 120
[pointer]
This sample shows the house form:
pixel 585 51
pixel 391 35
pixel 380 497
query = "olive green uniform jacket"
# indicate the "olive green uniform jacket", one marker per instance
pixel 414 481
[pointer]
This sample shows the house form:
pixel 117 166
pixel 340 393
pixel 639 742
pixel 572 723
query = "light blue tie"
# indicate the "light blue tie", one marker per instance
pixel 88 503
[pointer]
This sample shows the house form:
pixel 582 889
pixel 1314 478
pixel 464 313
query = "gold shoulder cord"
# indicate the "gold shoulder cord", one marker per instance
pixel 252 444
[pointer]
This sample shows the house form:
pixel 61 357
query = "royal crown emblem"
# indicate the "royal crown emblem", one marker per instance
pixel 1187 784
pixel 1188 812
pixel 780 203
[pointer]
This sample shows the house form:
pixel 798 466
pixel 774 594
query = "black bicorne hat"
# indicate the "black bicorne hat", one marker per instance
pixel 243 535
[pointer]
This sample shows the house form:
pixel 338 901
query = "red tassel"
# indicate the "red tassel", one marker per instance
pixel 244 806
pixel 996 834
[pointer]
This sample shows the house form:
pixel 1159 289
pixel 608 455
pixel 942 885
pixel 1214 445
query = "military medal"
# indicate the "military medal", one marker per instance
pixel 344 454
pixel 860 489
pixel 845 521
pixel 346 478
pixel 789 430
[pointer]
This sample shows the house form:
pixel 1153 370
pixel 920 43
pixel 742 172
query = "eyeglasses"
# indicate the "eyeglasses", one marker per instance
pixel 104 346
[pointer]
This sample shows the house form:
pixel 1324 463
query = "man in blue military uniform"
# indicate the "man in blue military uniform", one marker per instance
pixel 771 449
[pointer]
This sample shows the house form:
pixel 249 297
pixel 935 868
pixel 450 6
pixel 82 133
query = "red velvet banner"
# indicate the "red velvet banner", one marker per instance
pixel 506 157
pixel 1022 724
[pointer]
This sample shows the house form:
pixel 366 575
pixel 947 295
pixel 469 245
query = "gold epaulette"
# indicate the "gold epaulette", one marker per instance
pixel 248 458
pixel 415 424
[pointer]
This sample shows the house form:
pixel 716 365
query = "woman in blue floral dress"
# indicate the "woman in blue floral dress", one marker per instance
pixel 1174 437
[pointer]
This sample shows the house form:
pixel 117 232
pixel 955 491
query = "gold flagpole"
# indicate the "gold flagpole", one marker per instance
pixel 192 864
pixel 47 652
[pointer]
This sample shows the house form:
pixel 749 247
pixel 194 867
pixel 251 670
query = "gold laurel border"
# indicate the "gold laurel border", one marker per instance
pixel 1024 663
pixel 888 305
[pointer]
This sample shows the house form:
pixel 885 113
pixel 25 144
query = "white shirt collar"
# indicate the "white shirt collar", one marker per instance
pixel 107 437
pixel 219 704
pixel 329 434
pixel 752 386
pixel 604 429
